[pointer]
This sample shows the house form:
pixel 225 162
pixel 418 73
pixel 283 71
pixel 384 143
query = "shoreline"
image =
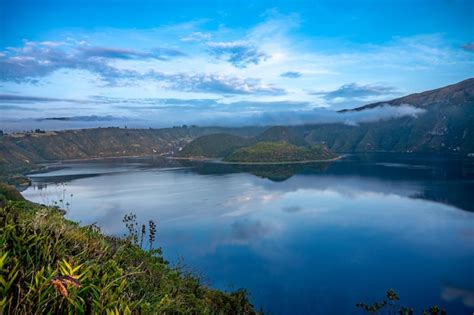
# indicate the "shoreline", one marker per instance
pixel 216 161
pixel 45 164
pixel 102 158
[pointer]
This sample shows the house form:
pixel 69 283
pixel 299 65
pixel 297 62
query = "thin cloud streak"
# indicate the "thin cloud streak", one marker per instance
pixel 14 98
pixel 357 91
pixel 238 53
pixel 163 54
pixel 291 74
pixel 468 47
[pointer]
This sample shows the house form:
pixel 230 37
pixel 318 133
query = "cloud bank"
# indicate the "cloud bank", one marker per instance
pixel 36 60
pixel 319 116
pixel 141 113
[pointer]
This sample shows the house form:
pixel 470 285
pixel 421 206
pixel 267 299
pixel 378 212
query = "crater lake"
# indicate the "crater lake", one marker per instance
pixel 302 239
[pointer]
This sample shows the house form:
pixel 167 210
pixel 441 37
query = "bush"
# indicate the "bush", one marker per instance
pixel 10 192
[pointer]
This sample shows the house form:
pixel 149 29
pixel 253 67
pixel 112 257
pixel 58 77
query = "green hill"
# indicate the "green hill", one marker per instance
pixel 281 133
pixel 274 145
pixel 279 152
pixel 222 144
pixel 214 146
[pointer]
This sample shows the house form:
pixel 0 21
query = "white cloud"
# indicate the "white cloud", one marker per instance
pixel 196 37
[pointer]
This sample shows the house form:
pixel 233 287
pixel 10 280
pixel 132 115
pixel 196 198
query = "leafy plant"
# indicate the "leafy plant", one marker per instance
pixel 51 265
pixel 393 308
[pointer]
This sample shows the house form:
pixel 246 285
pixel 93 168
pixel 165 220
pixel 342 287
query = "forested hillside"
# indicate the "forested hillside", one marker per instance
pixel 22 151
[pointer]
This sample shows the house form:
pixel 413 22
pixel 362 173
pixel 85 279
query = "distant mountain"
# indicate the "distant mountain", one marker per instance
pixel 459 94
pixel 446 126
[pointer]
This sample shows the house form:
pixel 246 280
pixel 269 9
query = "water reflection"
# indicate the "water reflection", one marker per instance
pixel 303 239
pixel 448 181
pixel 276 173
pixel 452 293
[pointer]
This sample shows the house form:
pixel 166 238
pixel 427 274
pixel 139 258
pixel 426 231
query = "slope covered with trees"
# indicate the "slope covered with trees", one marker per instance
pixel 446 126
pixel 22 152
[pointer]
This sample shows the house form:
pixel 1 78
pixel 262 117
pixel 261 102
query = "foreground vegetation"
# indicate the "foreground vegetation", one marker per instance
pixel 51 265
pixel 391 305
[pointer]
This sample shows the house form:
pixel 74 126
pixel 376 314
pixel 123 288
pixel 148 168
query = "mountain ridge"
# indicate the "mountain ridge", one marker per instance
pixel 425 99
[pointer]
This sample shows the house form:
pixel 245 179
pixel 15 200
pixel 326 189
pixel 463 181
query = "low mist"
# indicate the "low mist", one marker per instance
pixel 161 118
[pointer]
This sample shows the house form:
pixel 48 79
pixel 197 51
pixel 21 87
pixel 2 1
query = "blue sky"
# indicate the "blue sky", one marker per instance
pixel 159 63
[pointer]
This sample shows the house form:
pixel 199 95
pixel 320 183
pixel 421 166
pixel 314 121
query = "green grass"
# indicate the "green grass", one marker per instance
pixel 52 265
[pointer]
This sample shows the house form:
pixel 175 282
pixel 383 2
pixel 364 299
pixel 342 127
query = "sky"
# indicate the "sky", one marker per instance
pixel 164 63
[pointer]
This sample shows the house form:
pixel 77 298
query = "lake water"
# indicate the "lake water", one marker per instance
pixel 302 239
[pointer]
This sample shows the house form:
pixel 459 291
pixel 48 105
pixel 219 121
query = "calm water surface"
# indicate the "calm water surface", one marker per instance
pixel 304 239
